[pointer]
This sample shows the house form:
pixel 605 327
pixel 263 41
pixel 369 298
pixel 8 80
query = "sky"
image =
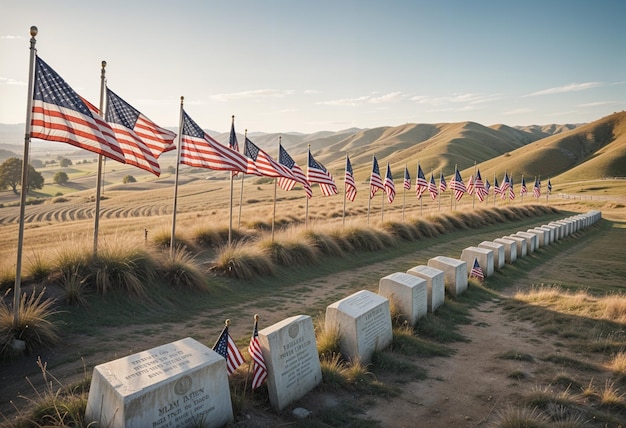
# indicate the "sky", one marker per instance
pixel 327 65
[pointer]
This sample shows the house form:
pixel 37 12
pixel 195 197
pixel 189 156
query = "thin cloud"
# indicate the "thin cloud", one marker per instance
pixel 597 104
pixel 465 98
pixel 9 37
pixel 518 111
pixel 7 81
pixel 572 87
pixel 391 97
pixel 257 93
pixel 350 102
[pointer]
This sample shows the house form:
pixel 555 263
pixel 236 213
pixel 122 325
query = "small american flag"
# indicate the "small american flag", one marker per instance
pixel 549 186
pixel 479 187
pixel 287 184
pixel 487 186
pixel 407 179
pixel 232 140
pixel 390 188
pixel 511 190
pixel 420 182
pixel 141 140
pixel 442 183
pixel 259 372
pixel 226 347
pixel 349 181
pixel 496 187
pixel 523 190
pixel 376 182
pixel 537 188
pixel 198 149
pixel 60 114
pixel 505 186
pixel 260 163
pixel 317 173
pixel 476 271
pixel 470 185
pixel 432 187
pixel 457 185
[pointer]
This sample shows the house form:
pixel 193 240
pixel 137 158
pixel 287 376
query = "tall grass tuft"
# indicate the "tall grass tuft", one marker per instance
pixel 324 243
pixel 521 417
pixel 243 262
pixel 333 370
pixel 74 288
pixel 216 237
pixel 73 257
pixel 403 231
pixel 618 365
pixel 7 277
pixel 38 268
pixel 610 396
pixel 180 269
pixel 34 325
pixel 327 338
pixel 290 251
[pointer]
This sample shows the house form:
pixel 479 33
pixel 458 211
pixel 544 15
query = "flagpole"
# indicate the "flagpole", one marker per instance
pixel 520 189
pixel 494 189
pixel 230 212
pixel 275 185
pixel 99 183
pixel 456 169
pixel 403 194
pixel 369 201
pixel 474 192
pixel 547 191
pixel 382 207
pixel 24 186
pixel 440 191
pixel 180 132
pixel 241 191
pixel 306 206
pixel 345 190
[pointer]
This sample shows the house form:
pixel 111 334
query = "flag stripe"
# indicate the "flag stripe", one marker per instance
pixel 349 181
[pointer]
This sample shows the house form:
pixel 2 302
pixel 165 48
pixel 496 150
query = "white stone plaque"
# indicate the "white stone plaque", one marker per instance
pixel 510 249
pixel 498 253
pixel 408 293
pixel 364 323
pixel 522 246
pixel 484 257
pixel 180 384
pixel 454 274
pixel 290 353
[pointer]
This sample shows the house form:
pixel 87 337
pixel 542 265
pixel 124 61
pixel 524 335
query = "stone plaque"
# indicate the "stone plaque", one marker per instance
pixel 180 384
pixel 484 257
pixel 498 253
pixel 293 366
pixel 408 293
pixel 531 241
pixel 364 323
pixel 522 245
pixel 510 249
pixel 454 274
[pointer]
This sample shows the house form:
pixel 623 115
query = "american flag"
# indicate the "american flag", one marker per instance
pixel 390 188
pixel 457 185
pixel 496 187
pixel 141 140
pixel 259 372
pixel 523 190
pixel 479 187
pixel 226 347
pixel 260 163
pixel 60 114
pixel 470 185
pixel 317 173
pixel 198 149
pixel 376 181
pixel 420 182
pixel 487 186
pixel 407 179
pixel 476 271
pixel 286 183
pixel 432 187
pixel 349 181
pixel 511 190
pixel 537 188
pixel 549 186
pixel 505 186
pixel 232 140
pixel 442 183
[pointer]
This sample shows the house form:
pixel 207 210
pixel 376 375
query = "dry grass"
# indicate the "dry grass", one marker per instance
pixel 180 268
pixel 243 261
pixel 617 365
pixel 327 338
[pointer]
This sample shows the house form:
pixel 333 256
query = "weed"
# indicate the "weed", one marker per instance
pixel 179 268
pixel 522 417
pixel 243 262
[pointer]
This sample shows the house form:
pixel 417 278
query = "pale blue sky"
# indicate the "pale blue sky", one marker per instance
pixel 307 66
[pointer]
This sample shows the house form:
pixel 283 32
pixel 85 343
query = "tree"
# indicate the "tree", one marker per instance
pixel 64 162
pixel 60 178
pixel 11 175
pixel 129 179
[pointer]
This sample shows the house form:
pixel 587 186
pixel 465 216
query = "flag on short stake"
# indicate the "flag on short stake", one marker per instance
pixel 443 186
pixel 496 187
pixel 407 179
pixel 505 186
pixel 198 149
pixel 349 181
pixel 457 185
pixel 390 188
pixel 523 189
pixel 487 187
pixel 226 347
pixel 470 185
pixel 287 184
pixel 537 188
pixel 317 173
pixel 432 187
pixel 141 140
pixel 549 186
pixel 511 190
pixel 476 271
pixel 260 163
pixel 479 187
pixel 376 181
pixel 259 371
pixel 60 114
pixel 420 182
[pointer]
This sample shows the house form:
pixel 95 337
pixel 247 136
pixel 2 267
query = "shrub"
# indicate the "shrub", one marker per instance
pixel 243 261
pixel 179 268
pixel 129 179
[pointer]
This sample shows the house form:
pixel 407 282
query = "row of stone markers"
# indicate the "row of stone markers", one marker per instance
pixel 185 383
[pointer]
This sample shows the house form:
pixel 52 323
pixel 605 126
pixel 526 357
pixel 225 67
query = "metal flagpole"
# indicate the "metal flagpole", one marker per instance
pixel 24 186
pixel 180 133
pixel 306 206
pixel 99 183
pixel 403 193
pixel 369 201
pixel 494 189
pixel 230 212
pixel 275 185
pixel 440 191
pixel 345 190
pixel 241 191
pixel 474 192
pixel 382 207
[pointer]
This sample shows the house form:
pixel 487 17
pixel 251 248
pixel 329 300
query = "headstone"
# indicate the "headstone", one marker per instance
pixel 547 238
pixel 484 257
pixel 510 249
pixel 541 236
pixel 408 293
pixel 454 274
pixel 364 323
pixel 521 245
pixel 179 384
pixel 531 241
pixel 293 366
pixel 498 252
pixel 554 232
